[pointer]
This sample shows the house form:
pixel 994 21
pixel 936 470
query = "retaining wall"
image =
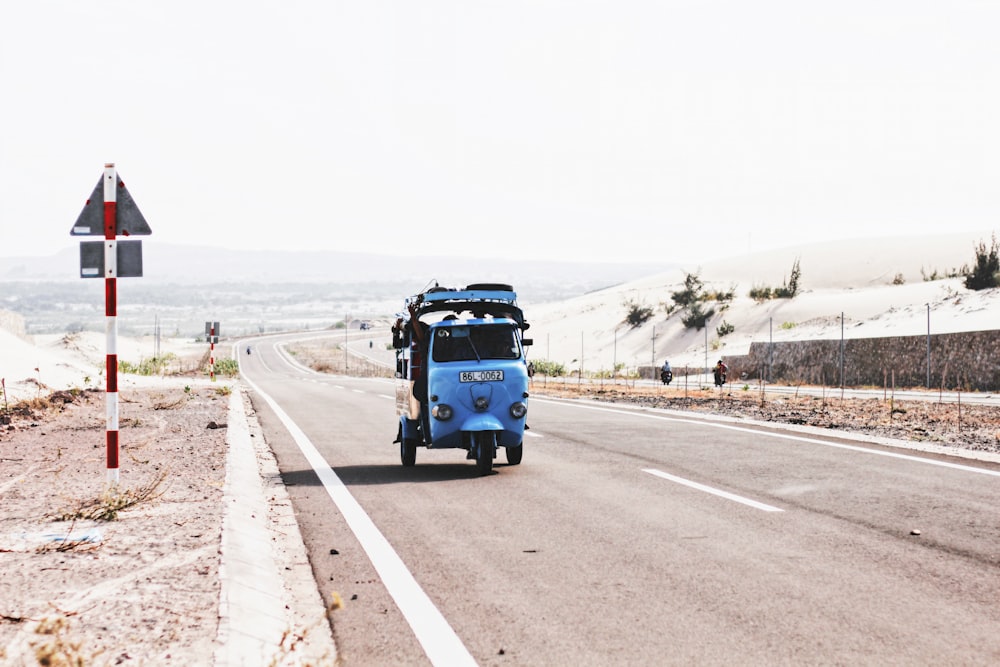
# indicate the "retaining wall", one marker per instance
pixel 968 360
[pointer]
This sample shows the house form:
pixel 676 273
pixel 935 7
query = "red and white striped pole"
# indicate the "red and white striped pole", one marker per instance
pixel 111 313
pixel 211 351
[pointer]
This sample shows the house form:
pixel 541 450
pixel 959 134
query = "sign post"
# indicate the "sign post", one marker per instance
pixel 111 212
pixel 212 333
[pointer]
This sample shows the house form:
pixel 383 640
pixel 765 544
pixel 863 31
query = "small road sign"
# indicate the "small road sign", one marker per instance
pixel 129 259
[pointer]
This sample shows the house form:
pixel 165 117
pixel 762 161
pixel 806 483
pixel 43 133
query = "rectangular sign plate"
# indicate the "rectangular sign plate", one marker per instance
pixel 480 376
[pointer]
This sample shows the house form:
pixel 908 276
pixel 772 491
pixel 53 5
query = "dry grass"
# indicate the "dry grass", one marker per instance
pixel 112 501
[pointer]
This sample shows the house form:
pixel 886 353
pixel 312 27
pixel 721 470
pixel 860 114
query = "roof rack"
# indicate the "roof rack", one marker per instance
pixel 495 299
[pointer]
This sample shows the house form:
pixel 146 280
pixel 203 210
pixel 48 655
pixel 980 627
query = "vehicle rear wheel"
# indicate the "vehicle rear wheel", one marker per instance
pixel 408 452
pixel 485 443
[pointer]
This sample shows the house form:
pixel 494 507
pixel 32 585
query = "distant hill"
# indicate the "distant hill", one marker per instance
pixel 164 263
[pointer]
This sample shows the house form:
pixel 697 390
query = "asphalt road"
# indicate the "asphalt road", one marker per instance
pixel 631 537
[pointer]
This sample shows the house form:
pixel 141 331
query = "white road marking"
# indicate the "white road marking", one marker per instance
pixel 713 491
pixel 786 436
pixel 438 639
pixel 533 435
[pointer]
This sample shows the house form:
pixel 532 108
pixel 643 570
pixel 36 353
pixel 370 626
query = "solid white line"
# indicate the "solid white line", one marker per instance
pixel 436 636
pixel 783 436
pixel 713 491
pixel 533 435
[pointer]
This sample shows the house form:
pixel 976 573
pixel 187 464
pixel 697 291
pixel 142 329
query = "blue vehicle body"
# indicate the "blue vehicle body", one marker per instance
pixel 463 377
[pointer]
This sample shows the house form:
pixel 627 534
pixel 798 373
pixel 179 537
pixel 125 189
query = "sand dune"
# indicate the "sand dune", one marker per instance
pixel 853 280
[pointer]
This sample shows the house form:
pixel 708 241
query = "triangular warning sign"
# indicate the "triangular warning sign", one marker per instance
pixel 128 219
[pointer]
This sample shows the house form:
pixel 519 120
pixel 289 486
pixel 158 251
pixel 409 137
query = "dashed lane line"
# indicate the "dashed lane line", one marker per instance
pixel 712 490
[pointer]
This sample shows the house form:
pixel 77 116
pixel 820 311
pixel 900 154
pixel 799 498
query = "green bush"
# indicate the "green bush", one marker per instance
pixel 986 273
pixel 227 367
pixel 637 314
pixel 724 329
pixel 692 292
pixel 550 368
pixel 151 366
pixel 760 293
pixel 697 316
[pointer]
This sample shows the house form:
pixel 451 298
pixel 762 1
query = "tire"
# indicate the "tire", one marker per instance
pixel 514 454
pixel 407 452
pixel 485 443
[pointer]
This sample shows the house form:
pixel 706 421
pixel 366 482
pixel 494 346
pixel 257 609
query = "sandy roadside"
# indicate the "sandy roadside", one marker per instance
pixel 145 587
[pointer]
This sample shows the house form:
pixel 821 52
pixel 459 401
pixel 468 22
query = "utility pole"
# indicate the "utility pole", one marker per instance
pixel 841 354
pixel 928 345
pixel 652 363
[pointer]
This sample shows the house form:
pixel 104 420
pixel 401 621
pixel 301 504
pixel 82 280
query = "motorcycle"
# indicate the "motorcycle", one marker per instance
pixel 666 376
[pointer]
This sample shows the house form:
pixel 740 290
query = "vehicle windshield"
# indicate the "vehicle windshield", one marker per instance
pixel 475 343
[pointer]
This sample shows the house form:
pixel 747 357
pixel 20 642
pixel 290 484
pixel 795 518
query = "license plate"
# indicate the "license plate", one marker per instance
pixel 480 376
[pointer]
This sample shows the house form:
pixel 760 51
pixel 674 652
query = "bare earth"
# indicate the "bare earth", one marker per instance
pixel 143 589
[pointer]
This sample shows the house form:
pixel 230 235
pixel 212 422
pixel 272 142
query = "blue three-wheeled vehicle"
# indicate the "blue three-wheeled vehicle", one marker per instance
pixel 462 373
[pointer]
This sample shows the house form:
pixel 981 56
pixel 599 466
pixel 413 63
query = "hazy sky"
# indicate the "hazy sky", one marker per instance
pixel 576 130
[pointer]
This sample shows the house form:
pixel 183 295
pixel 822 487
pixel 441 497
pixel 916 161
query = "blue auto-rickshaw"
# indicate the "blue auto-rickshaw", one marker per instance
pixel 463 376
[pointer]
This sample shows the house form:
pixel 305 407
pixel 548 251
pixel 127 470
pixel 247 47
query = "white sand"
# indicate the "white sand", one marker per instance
pixel 38 365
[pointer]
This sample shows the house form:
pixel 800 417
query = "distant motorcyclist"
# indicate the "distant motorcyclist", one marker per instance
pixel 720 373
pixel 248 349
pixel 666 375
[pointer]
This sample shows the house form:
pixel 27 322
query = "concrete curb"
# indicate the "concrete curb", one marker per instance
pixel 270 611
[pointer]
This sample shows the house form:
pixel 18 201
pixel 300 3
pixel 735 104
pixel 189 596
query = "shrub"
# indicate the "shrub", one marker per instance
pixel 151 366
pixel 227 367
pixel 986 273
pixel 788 290
pixel 692 292
pixel 637 313
pixel 550 368
pixel 950 273
pixel 724 329
pixel 760 293
pixel 898 279
pixel 721 297
pixel 697 316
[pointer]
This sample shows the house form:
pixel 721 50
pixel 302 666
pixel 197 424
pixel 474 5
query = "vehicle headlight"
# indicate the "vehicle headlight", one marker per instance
pixel 442 412
pixel 518 410
pixel 482 403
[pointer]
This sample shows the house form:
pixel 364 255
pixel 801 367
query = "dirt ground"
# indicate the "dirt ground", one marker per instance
pixel 131 578
pixel 101 576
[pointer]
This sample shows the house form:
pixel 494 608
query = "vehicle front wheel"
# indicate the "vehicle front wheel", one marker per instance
pixel 485 443
pixel 408 452
pixel 514 454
